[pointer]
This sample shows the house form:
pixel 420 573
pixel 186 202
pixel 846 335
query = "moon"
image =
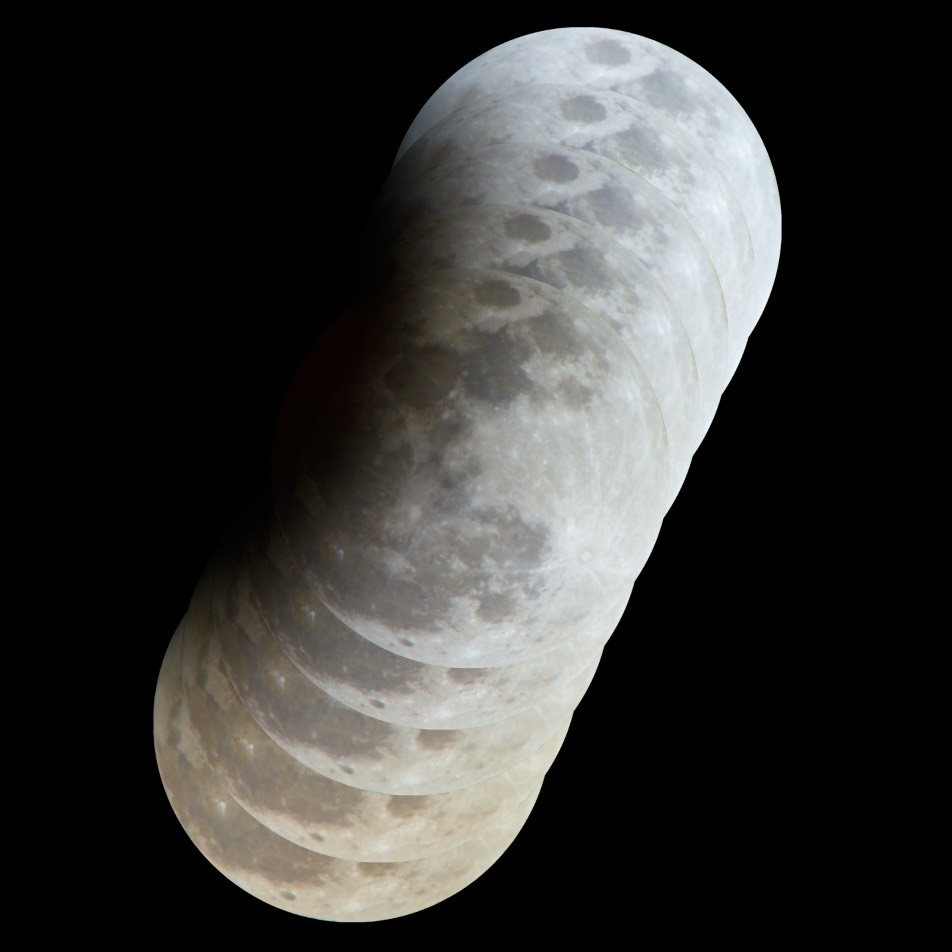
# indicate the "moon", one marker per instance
pixel 279 871
pixel 470 470
pixel 657 78
pixel 476 510
pixel 635 135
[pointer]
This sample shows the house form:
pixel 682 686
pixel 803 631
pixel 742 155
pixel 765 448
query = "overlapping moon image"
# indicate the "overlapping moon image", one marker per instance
pixel 470 469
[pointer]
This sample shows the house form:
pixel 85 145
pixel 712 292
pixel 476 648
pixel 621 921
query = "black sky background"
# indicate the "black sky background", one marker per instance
pixel 246 157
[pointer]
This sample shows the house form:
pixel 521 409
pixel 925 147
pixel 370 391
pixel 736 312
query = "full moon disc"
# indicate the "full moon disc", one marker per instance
pixel 282 873
pixel 457 489
pixel 677 89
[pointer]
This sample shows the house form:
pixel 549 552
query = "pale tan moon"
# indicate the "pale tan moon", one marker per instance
pixel 280 872
pixel 334 818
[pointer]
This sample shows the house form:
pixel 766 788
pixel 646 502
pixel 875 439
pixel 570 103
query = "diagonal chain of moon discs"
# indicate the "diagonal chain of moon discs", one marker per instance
pixel 470 469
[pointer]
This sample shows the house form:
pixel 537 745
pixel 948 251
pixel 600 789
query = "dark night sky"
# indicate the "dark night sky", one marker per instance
pixel 251 154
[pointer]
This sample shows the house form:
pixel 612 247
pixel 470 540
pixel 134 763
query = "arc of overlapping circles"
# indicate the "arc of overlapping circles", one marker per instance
pixel 357 713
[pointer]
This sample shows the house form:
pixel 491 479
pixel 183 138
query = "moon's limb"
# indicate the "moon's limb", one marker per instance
pixel 639 139
pixel 335 818
pixel 460 492
pixel 229 665
pixel 581 260
pixel 384 685
pixel 596 190
pixel 673 86
pixel 279 871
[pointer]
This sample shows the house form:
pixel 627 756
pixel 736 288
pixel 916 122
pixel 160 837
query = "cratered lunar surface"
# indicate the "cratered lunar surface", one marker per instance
pixel 581 260
pixel 334 818
pixel 232 662
pixel 279 871
pixel 378 682
pixel 596 190
pixel 469 472
pixel 473 470
pixel 618 128
pixel 674 87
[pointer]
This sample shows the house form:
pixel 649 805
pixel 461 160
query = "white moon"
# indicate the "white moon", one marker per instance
pixel 655 76
pixel 637 137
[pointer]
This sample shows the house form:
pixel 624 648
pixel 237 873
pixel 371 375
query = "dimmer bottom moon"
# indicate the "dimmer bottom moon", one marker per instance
pixel 284 874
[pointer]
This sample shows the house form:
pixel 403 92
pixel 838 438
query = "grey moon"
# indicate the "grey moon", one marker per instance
pixel 382 660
